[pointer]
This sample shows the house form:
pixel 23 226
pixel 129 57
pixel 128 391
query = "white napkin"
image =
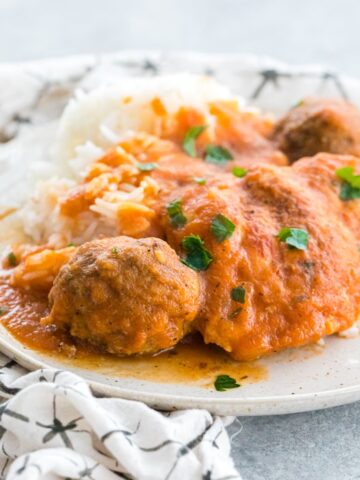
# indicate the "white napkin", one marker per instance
pixel 53 427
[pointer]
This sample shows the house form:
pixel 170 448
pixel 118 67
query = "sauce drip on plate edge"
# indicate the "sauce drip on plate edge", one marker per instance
pixel 191 362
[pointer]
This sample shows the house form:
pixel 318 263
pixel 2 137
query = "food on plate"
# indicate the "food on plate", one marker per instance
pixel 317 125
pixel 174 208
pixel 125 295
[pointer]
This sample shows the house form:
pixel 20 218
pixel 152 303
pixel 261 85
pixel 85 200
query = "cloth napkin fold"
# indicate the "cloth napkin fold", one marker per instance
pixel 52 426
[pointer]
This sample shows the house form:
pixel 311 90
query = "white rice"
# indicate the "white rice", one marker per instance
pixel 94 122
pixel 102 118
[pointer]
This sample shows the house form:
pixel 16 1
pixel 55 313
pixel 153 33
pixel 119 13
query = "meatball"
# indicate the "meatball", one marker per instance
pixel 319 125
pixel 126 296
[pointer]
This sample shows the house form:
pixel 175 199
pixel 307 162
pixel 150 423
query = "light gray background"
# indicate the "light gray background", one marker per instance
pixel 317 445
pixel 325 31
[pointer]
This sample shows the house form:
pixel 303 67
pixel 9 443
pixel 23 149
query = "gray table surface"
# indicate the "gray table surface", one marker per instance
pixel 318 445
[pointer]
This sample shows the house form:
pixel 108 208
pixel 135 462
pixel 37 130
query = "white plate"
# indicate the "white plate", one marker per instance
pixel 32 95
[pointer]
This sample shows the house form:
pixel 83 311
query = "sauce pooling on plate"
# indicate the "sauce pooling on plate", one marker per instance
pixel 191 362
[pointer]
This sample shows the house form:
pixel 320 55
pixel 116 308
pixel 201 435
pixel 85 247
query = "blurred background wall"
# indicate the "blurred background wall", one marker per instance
pixel 297 31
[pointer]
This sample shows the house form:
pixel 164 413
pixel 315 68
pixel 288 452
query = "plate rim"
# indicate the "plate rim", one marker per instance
pixel 244 406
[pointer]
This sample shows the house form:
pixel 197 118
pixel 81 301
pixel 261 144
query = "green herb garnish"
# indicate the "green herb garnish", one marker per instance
pixel 146 167
pixel 347 192
pixel 71 244
pixel 3 311
pixel 177 218
pixel 350 186
pixel 190 137
pixel 235 313
pixel 12 259
pixel 217 155
pixel 114 250
pixel 238 294
pixel 221 227
pixel 198 257
pixel 224 382
pixel 239 172
pixel 199 180
pixel 294 237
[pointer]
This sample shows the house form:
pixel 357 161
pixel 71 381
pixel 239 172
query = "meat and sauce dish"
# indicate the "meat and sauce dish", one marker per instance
pixel 194 215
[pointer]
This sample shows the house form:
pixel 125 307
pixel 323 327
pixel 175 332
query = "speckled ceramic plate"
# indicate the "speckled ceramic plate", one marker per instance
pixel 31 99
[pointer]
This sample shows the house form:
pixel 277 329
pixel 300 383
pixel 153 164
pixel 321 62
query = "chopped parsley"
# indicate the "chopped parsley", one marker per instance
pixel 190 137
pixel 235 313
pixel 238 294
pixel 177 218
pixel 199 180
pixel 146 167
pixel 198 257
pixel 350 186
pixel 71 244
pixel 224 382
pixel 221 227
pixel 217 155
pixel 12 259
pixel 347 192
pixel 239 172
pixel 3 311
pixel 294 237
pixel 114 250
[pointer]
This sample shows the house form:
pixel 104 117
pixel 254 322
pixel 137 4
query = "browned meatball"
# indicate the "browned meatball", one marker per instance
pixel 319 125
pixel 126 296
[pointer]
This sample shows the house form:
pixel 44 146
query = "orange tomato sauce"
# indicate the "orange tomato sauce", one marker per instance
pixel 190 362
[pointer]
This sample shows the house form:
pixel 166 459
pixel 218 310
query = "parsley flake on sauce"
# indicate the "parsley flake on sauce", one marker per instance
pixel 177 218
pixel 221 227
pixel 238 294
pixel 114 251
pixel 217 155
pixel 224 382
pixel 3 311
pixel 199 180
pixel 294 237
pixel 239 172
pixel 234 313
pixel 146 167
pixel 198 257
pixel 12 259
pixel 190 138
pixel 350 186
